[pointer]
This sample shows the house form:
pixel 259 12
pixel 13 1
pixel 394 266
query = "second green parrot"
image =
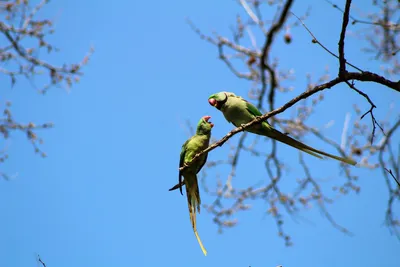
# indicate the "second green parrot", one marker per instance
pixel 238 111
pixel 190 148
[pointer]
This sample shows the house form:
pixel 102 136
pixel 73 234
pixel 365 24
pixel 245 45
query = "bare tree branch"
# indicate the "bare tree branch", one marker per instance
pixel 342 60
pixel 25 38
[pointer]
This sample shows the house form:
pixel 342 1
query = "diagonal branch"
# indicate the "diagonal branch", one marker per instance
pixel 263 117
pixel 364 76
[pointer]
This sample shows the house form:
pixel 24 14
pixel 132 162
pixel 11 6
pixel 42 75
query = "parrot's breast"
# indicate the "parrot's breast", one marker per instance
pixel 197 144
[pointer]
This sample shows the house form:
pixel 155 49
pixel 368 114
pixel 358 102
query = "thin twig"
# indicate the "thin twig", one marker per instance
pixel 391 173
pixel 315 41
pixel 370 111
pixel 42 262
pixel 392 26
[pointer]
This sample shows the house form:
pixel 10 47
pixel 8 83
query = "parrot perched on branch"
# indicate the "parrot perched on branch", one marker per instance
pixel 238 111
pixel 190 148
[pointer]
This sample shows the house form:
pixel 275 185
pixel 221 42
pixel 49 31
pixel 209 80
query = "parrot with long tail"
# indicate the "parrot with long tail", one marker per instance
pixel 190 148
pixel 238 111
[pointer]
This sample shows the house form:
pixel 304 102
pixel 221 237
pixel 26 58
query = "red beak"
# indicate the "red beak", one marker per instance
pixel 212 102
pixel 207 118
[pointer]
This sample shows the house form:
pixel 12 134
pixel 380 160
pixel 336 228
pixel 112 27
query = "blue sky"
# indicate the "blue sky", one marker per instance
pixel 100 198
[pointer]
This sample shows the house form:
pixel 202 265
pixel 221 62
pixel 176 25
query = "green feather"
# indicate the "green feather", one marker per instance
pixel 252 109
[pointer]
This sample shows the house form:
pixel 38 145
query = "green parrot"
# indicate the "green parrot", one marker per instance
pixel 238 111
pixel 190 148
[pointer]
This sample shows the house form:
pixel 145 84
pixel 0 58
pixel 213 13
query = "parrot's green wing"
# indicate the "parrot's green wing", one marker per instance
pixel 183 152
pixel 181 162
pixel 252 109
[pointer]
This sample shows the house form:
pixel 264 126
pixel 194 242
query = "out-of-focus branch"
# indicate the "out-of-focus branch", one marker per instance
pixel 25 38
pixel 274 29
pixel 8 125
pixel 355 20
pixel 16 26
pixel 265 53
pixel 387 166
pixel 319 197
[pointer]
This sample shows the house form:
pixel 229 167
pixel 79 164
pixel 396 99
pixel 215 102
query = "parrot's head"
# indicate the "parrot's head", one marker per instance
pixel 204 126
pixel 219 99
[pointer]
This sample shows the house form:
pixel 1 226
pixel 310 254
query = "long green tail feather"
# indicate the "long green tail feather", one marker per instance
pixel 273 133
pixel 193 197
